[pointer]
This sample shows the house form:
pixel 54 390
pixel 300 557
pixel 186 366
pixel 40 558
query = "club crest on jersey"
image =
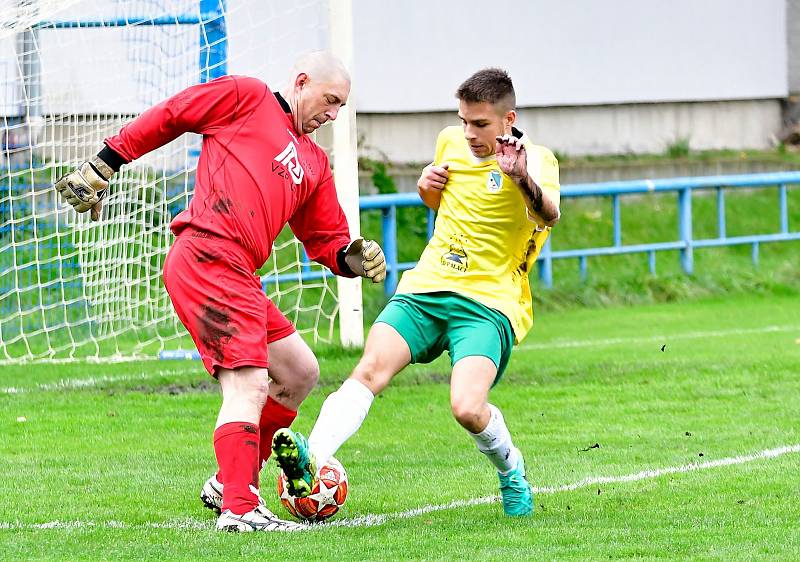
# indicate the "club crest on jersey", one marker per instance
pixel 456 257
pixel 288 158
pixel 495 181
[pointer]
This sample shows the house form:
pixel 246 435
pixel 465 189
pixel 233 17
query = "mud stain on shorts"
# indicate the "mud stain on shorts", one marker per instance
pixel 215 328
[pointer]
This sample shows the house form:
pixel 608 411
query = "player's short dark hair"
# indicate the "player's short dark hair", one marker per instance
pixel 491 85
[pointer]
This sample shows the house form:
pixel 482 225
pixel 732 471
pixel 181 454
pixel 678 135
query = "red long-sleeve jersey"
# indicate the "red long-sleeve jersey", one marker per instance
pixel 254 173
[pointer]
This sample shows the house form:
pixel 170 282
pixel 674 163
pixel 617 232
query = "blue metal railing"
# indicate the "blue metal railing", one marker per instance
pixel 388 205
pixel 685 244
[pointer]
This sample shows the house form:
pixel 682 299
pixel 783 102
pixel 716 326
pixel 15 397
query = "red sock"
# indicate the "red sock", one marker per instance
pixel 274 416
pixel 236 447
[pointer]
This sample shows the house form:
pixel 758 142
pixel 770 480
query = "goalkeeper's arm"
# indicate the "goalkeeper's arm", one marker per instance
pixel 321 225
pixel 204 108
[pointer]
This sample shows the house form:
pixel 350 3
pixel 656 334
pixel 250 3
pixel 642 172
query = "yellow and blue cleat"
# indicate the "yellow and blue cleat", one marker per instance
pixel 296 461
pixel 516 491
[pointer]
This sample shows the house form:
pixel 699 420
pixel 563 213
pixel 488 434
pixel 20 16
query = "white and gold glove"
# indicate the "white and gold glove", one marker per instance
pixel 365 258
pixel 85 187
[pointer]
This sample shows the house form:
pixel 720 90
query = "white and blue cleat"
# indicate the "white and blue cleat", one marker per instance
pixel 516 491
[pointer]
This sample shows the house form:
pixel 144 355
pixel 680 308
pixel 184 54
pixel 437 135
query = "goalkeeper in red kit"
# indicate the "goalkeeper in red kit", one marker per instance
pixel 258 170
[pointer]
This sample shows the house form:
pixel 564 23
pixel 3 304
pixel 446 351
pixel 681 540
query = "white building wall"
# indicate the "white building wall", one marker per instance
pixel 411 55
pixel 617 76
pixel 595 129
pixel 793 33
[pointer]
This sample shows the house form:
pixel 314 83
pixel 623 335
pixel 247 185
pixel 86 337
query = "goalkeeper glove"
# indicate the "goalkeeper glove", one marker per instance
pixel 365 258
pixel 85 187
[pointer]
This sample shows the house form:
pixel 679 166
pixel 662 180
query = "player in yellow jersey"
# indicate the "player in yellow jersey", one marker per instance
pixel 496 196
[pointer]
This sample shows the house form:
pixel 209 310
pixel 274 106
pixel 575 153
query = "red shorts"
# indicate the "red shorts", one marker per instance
pixel 220 301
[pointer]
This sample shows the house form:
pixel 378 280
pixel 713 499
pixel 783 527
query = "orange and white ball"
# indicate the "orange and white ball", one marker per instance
pixel 327 496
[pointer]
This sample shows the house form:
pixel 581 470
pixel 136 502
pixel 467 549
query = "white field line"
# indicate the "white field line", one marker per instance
pixel 71 360
pixel 560 344
pixel 380 519
pixel 91 382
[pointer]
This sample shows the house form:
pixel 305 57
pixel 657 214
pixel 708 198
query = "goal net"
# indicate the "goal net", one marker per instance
pixel 74 72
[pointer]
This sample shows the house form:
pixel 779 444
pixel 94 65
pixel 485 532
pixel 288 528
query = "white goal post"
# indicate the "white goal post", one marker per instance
pixel 345 170
pixel 75 71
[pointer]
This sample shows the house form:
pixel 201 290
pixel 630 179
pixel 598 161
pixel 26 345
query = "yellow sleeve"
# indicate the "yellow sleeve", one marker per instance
pixel 441 142
pixel 543 168
pixel 548 174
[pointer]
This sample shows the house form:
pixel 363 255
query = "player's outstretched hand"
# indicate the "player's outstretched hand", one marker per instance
pixel 512 157
pixel 85 187
pixel 433 178
pixel 365 258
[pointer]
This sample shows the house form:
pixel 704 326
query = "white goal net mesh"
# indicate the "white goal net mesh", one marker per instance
pixel 72 74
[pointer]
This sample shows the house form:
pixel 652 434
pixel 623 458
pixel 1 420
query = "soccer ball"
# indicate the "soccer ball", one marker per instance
pixel 325 499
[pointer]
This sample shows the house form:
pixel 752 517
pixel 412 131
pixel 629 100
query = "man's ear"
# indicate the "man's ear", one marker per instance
pixel 510 118
pixel 301 80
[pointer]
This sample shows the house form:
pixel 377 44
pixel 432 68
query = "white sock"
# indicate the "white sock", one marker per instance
pixel 495 442
pixel 341 415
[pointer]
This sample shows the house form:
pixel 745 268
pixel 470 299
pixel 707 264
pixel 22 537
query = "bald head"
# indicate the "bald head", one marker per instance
pixel 319 87
pixel 321 65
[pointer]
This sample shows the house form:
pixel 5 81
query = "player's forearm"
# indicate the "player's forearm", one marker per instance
pixel 431 197
pixel 327 249
pixel 538 201
pixel 321 225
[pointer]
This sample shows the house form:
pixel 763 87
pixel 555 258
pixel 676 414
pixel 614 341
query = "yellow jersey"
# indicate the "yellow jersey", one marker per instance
pixel 485 241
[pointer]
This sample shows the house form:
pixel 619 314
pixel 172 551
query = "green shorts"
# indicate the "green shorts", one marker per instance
pixel 432 323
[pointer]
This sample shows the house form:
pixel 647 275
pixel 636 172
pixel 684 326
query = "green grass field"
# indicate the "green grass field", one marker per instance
pixel 110 458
